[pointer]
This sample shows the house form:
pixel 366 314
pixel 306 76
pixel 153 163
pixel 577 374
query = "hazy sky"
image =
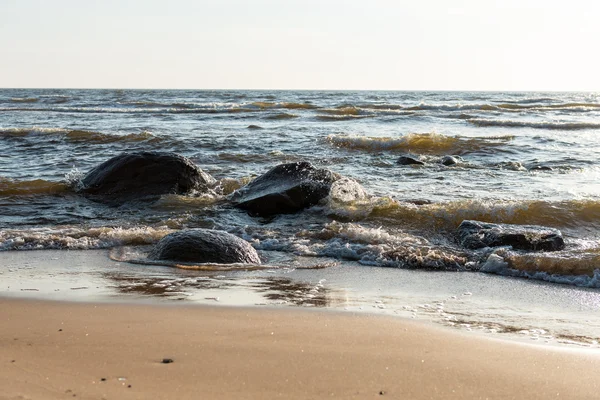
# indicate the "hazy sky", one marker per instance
pixel 289 44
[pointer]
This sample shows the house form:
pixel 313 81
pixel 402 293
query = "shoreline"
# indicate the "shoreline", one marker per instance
pixel 497 307
pixel 97 350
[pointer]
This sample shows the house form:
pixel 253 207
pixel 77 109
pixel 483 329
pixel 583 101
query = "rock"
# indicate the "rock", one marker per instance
pixel 288 188
pixel 406 160
pixel 204 246
pixel 476 235
pixel 254 127
pixel 144 176
pixel 541 168
pixel 450 160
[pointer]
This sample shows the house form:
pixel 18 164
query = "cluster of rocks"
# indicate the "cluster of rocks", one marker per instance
pixel 286 188
pixel 145 176
pixel 452 161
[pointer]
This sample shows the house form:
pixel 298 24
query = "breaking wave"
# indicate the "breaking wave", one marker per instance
pixel 420 143
pixel 10 187
pixel 79 136
pixel 565 126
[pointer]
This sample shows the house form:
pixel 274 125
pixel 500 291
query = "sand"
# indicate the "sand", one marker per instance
pixel 59 350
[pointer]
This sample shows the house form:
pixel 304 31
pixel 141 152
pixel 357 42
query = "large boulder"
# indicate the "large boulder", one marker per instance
pixel 477 235
pixel 204 246
pixel 288 188
pixel 144 176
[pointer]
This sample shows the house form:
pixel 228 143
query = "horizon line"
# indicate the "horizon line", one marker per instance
pixel 308 90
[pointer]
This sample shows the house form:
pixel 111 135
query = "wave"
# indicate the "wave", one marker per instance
pixel 10 187
pixel 131 110
pixel 80 238
pixel 80 136
pixel 24 100
pixel 281 116
pixel 97 137
pixel 567 126
pixel 446 216
pixel 566 267
pixel 420 143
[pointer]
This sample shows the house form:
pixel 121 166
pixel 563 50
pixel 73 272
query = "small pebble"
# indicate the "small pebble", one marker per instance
pixel 167 360
pixel 102 379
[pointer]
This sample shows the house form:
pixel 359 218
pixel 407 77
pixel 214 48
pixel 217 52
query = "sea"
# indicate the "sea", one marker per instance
pixel 518 158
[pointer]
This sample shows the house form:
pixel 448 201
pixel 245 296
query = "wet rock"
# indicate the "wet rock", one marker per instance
pixel 204 246
pixel 541 168
pixel 143 176
pixel 476 235
pixel 406 160
pixel 450 160
pixel 254 127
pixel 288 188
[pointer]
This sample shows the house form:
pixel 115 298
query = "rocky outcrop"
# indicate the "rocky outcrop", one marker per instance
pixel 288 188
pixel 204 246
pixel 476 235
pixel 143 176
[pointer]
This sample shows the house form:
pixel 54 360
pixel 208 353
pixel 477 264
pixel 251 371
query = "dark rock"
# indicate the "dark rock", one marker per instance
pixel 476 235
pixel 406 160
pixel 254 127
pixel 541 168
pixel 143 176
pixel 204 246
pixel 166 361
pixel 288 188
pixel 450 160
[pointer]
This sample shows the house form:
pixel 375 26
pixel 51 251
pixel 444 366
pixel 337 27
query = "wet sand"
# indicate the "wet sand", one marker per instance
pixel 57 350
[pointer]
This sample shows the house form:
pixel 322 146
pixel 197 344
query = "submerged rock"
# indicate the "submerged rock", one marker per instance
pixel 476 235
pixel 143 176
pixel 204 246
pixel 541 168
pixel 449 161
pixel 406 160
pixel 288 188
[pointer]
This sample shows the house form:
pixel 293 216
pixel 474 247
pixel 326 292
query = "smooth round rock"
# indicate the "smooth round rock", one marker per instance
pixel 204 246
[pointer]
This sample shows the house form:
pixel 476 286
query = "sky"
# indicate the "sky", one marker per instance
pixel 290 44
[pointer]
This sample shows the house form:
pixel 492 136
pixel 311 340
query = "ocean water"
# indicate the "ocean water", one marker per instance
pixel 524 158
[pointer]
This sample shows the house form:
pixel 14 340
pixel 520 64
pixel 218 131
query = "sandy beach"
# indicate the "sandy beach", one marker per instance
pixel 57 350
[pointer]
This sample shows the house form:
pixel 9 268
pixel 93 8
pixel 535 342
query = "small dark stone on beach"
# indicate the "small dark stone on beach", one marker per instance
pixel 13 361
pixel 102 379
pixel 381 393
pixel 406 160
pixel 60 330
pixel 167 360
pixel 129 386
